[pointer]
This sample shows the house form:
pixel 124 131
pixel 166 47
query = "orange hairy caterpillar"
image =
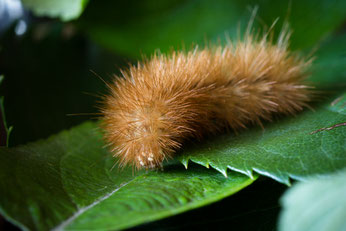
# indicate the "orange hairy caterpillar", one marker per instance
pixel 165 100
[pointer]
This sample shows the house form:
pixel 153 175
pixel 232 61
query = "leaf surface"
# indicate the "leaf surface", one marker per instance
pixel 316 205
pixel 66 182
pixel 284 149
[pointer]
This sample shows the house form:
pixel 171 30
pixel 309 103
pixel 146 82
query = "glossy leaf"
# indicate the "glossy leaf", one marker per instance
pixel 67 182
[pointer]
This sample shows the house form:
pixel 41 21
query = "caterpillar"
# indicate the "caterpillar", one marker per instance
pixel 159 103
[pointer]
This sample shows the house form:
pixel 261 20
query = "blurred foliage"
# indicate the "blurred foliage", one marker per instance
pixel 316 205
pixel 48 77
pixel 55 58
pixel 64 9
pixel 4 129
pixel 135 27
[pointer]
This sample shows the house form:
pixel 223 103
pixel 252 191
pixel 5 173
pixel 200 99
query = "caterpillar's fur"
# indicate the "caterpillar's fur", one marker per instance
pixel 162 101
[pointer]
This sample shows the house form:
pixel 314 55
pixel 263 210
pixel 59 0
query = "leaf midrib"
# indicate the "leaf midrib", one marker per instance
pixel 80 211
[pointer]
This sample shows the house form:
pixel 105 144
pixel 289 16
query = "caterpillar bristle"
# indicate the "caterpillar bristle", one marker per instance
pixel 166 99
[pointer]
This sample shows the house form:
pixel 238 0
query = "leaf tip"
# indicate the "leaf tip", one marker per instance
pixel 224 172
pixel 185 162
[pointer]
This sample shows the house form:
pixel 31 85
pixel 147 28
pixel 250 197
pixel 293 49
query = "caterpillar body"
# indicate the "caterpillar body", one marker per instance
pixel 159 103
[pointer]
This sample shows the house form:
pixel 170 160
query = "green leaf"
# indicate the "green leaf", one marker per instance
pixel 66 182
pixel 329 67
pixel 133 28
pixel 64 9
pixel 286 148
pixel 316 205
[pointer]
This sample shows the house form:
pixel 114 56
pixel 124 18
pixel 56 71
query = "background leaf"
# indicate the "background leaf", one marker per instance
pixel 64 9
pixel 316 205
pixel 66 182
pixel 134 28
pixel 329 66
